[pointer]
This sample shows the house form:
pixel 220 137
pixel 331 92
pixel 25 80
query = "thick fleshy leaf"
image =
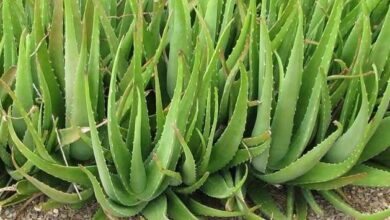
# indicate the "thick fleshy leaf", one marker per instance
pixel 225 148
pixel 282 123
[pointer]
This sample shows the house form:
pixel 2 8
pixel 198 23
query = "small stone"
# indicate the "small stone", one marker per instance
pixel 37 208
pixel 34 215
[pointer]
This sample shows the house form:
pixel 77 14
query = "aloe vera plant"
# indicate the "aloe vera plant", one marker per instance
pixel 185 109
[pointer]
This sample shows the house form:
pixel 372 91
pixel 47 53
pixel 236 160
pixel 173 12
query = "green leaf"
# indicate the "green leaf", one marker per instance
pixel 320 60
pixel 200 209
pixel 181 36
pixel 335 183
pixel 78 116
pixel 156 209
pixel 121 155
pixel 8 78
pixel 112 39
pixel 305 163
pixel 231 137
pixel 217 186
pixel 195 186
pixel 189 166
pixel 309 198
pixel 137 170
pixel 56 42
pixel 302 136
pixel 265 94
pixel 352 137
pixel 339 204
pixel 379 142
pixel 9 37
pixel 24 85
pixel 93 70
pixel 260 196
pixel 327 171
pixel 177 209
pixel 56 98
pixel 112 186
pixel 70 174
pixel 107 204
pixel 376 177
pixel 283 119
pixel 55 194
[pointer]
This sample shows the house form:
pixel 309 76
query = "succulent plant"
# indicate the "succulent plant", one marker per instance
pixel 182 109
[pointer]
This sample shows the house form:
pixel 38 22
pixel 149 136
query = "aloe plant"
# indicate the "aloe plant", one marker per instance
pixel 183 109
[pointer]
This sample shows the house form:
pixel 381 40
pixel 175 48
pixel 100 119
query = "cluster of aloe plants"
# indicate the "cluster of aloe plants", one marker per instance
pixel 181 109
